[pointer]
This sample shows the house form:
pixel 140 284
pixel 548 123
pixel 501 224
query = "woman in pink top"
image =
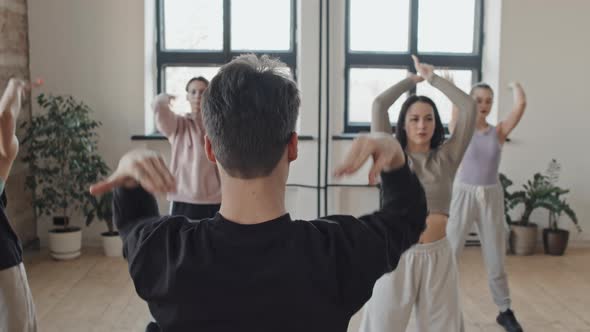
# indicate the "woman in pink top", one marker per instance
pixel 198 192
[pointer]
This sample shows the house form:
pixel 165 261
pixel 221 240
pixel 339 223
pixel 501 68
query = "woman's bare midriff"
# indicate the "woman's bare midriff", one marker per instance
pixel 436 228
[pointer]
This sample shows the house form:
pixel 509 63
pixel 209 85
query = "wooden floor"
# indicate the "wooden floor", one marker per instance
pixel 94 293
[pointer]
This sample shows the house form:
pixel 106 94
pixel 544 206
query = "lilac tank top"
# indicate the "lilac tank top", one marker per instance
pixel 482 159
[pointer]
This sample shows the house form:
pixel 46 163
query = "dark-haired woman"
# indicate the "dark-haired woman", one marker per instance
pixel 426 278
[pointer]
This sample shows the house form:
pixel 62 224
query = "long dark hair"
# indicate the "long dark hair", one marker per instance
pixel 439 130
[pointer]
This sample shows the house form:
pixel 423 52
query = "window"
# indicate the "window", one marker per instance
pixel 382 34
pixel 196 37
pixel 365 84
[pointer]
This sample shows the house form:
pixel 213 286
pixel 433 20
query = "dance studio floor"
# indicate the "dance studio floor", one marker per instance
pixel 95 293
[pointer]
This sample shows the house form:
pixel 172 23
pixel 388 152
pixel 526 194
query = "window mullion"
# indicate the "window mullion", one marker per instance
pixel 227 30
pixel 413 31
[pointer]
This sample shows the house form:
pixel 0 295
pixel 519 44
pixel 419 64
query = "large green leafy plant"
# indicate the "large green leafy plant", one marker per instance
pixel 541 191
pixel 61 153
pixel 509 201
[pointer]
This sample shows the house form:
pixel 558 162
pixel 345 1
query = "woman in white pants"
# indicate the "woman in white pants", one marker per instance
pixel 426 278
pixel 478 195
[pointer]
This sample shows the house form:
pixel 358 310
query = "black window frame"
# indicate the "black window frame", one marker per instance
pixel 402 60
pixel 195 58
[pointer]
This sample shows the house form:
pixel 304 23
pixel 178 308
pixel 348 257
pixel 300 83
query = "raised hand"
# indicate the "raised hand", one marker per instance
pixel 10 107
pixel 139 167
pixel 446 74
pixel 416 78
pixel 13 96
pixel 163 99
pixel 385 150
pixel 424 69
pixel 514 85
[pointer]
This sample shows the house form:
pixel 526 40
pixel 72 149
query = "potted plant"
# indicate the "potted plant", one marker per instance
pixel 540 192
pixel 555 239
pixel 523 232
pixel 61 153
pixel 102 209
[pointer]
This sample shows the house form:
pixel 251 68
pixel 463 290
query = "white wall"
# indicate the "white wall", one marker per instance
pixel 93 50
pixel 102 53
pixel 545 45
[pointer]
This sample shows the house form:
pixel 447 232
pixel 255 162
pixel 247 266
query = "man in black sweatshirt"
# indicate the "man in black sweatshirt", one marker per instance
pixel 251 267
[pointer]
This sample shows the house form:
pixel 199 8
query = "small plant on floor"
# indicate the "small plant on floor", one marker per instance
pixel 540 192
pixel 555 240
pixel 555 204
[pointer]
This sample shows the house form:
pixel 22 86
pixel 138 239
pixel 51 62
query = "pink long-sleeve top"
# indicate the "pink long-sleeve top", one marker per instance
pixel 197 178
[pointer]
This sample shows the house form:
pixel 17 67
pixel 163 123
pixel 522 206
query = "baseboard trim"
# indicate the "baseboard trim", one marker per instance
pixel 579 244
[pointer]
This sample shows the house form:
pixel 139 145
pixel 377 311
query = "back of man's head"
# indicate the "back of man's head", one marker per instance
pixel 250 110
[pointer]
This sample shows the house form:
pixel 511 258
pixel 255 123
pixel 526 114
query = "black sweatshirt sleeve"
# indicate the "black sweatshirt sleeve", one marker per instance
pixel 402 218
pixel 366 248
pixel 135 212
pixel 152 244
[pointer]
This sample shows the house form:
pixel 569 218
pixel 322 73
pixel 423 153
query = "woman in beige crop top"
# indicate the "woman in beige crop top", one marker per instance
pixel 421 133
pixel 426 278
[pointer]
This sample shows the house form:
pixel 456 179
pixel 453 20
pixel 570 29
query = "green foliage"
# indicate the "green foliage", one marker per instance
pixel 510 199
pixel 101 209
pixel 540 192
pixel 61 153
